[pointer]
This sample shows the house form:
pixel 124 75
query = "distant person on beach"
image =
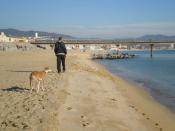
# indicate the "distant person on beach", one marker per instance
pixel 61 52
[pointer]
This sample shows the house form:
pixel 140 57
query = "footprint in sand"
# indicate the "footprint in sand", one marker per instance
pixel 69 108
pixel 24 125
pixel 39 100
pixel 40 121
pixel 143 114
pixel 131 106
pixel 4 124
pixel 18 117
pixel 82 116
pixel 156 124
pixel 113 99
pixel 84 121
pixel 43 107
pixel 85 124
pixel 14 125
pixel 27 109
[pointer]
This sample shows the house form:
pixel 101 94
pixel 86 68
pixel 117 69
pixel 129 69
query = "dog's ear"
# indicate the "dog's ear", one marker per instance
pixel 46 68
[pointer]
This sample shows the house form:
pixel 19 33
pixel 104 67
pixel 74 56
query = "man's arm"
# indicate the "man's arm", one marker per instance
pixel 55 48
pixel 65 50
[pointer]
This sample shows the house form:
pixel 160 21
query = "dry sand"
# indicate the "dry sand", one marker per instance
pixel 84 98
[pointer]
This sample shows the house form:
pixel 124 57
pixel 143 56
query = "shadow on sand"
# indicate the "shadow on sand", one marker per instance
pixel 15 89
pixel 25 71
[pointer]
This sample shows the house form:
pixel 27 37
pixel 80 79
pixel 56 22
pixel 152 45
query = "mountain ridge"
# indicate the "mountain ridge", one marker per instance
pixel 31 33
pixel 156 37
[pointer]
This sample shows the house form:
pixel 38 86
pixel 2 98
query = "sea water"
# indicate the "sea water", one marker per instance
pixel 156 75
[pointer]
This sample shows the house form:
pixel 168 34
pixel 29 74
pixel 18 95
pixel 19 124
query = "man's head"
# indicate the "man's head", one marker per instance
pixel 59 38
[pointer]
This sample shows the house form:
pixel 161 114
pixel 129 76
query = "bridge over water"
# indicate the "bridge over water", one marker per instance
pixel 104 42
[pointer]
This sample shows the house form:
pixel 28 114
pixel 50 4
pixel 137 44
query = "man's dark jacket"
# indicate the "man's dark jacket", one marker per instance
pixel 60 48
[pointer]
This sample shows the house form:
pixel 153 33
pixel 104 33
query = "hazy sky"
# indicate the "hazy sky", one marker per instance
pixel 91 18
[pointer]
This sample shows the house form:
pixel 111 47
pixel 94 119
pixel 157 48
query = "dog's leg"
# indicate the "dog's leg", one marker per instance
pixel 31 86
pixel 42 83
pixel 38 86
pixel 31 89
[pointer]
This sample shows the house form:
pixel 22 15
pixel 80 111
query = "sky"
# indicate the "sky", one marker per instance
pixel 91 18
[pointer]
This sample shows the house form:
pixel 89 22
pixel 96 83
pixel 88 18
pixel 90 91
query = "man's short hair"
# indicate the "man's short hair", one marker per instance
pixel 60 38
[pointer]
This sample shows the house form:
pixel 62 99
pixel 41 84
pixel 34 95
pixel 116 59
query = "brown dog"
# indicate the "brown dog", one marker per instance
pixel 38 76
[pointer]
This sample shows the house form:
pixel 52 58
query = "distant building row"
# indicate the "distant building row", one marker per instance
pixel 4 38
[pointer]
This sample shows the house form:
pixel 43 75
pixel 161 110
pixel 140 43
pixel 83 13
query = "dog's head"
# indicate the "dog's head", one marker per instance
pixel 47 69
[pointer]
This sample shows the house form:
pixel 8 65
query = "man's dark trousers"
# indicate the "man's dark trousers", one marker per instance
pixel 61 60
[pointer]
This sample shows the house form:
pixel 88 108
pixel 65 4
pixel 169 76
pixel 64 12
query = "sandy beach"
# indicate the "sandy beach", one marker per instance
pixel 85 98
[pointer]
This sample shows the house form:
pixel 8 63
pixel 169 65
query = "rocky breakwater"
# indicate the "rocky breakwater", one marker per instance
pixel 16 46
pixel 112 56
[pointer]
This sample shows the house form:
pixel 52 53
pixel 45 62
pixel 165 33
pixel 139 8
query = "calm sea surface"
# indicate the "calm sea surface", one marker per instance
pixel 157 75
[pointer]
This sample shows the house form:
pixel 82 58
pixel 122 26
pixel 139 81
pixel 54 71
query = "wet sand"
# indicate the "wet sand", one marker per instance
pixel 84 98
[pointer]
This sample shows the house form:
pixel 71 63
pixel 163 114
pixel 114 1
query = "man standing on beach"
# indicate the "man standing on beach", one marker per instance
pixel 60 51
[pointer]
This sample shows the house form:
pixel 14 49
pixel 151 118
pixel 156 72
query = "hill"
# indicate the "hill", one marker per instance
pixel 156 37
pixel 19 33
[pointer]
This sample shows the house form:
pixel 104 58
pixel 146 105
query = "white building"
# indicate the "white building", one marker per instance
pixel 4 38
pixel 172 46
pixel 70 46
pixel 92 47
pixel 81 47
pixel 36 35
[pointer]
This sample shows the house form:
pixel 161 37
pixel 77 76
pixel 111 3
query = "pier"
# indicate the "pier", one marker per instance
pixel 105 42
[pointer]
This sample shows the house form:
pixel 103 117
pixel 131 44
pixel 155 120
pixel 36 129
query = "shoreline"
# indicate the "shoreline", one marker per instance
pixel 87 96
pixel 142 100
pixel 142 86
pixel 146 73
